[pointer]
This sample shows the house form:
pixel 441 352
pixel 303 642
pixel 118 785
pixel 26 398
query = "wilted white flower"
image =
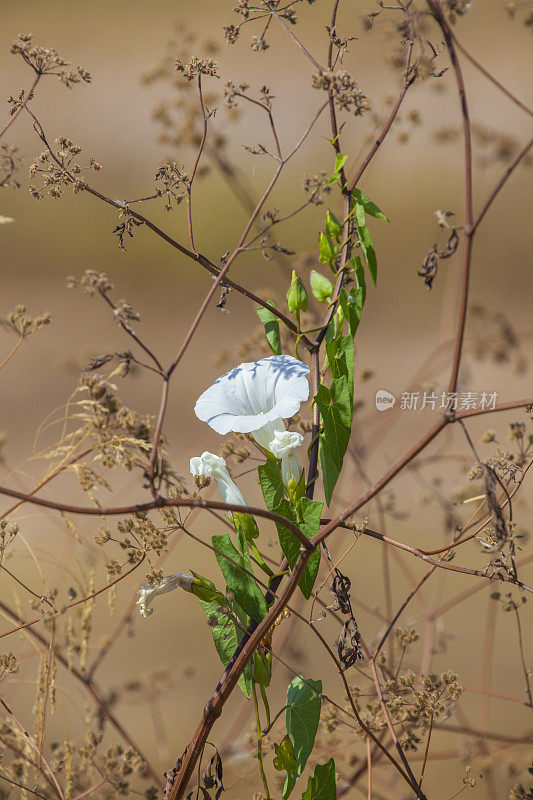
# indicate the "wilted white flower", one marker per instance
pixel 213 466
pixel 284 446
pixel 170 582
pixel 255 397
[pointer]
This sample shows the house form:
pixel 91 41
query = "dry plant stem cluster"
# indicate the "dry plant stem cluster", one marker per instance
pixel 281 588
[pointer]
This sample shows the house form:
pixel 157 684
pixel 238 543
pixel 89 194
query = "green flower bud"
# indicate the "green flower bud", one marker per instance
pixel 297 297
pixel 205 590
pixel 262 667
pixel 321 286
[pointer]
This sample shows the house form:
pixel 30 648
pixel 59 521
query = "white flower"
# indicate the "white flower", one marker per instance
pixel 284 446
pixel 255 397
pixel 147 593
pixel 215 467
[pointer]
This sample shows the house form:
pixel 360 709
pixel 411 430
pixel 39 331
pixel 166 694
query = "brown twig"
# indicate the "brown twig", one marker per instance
pixel 408 80
pixel 492 196
pixel 88 684
pixel 468 225
pixel 58 789
pixel 523 658
pixel 490 77
pixel 198 257
pixel 195 166
pixel 23 106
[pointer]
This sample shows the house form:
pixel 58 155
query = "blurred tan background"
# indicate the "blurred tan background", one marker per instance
pixel 403 323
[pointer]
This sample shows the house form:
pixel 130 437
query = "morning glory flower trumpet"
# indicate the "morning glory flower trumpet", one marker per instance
pixel 284 446
pixel 255 397
pixel 212 466
pixel 167 584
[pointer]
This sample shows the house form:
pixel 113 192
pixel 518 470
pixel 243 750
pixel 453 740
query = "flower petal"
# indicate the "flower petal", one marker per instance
pixel 254 394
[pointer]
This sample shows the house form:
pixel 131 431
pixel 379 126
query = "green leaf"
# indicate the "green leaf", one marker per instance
pixel 226 636
pixel 327 250
pixel 271 484
pixel 271 323
pixel 335 406
pixel 247 593
pixel 366 242
pixel 322 786
pixel 352 307
pixel 248 525
pixel 340 353
pixel 284 760
pixel 302 716
pixel 360 275
pixel 340 161
pixel 333 226
pixel 369 206
pixel 309 511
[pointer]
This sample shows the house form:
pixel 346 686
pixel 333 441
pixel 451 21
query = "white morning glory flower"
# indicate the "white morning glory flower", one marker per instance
pixel 213 466
pixel 255 397
pixel 284 446
pixel 170 582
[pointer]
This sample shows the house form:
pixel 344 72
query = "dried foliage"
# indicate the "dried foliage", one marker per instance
pixel 380 707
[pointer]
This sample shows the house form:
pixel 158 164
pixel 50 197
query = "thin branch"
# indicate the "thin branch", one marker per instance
pixel 197 257
pixel 400 611
pixel 88 684
pixel 82 600
pixel 24 788
pixel 295 39
pixel 468 227
pixel 11 353
pixel 50 771
pixel 408 80
pixel 390 726
pixel 415 551
pixel 490 77
pixel 195 167
pixel 161 502
pixel 523 658
pixel 46 480
pixel 131 332
pixel 23 106
pixel 512 166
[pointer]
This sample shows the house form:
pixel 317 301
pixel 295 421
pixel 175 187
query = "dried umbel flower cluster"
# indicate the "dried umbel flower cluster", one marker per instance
pixel 47 61
pixel 344 89
pixel 457 8
pixel 232 91
pixel 101 438
pixel 8 665
pixel 8 534
pixel 413 702
pixel 141 536
pixel 197 66
pixel 251 12
pixel 92 281
pixel 181 117
pixel 59 169
pixel 173 182
pixel 23 324
pixel 492 146
pixel 491 336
